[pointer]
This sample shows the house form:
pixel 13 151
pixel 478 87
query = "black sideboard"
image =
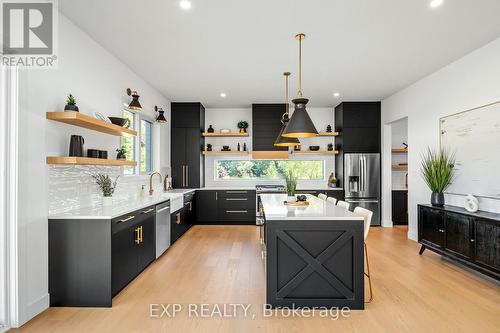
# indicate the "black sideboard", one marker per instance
pixel 472 239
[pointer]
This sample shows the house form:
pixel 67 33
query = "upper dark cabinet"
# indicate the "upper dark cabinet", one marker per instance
pixel 266 125
pixel 359 127
pixel 188 115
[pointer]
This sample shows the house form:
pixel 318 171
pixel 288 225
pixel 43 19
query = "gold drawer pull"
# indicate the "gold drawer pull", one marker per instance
pixel 178 218
pixel 147 211
pixel 127 219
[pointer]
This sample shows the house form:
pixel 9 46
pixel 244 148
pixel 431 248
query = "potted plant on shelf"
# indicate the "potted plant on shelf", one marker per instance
pixel 71 104
pixel 291 185
pixel 121 153
pixel 438 171
pixel 243 125
pixel 107 187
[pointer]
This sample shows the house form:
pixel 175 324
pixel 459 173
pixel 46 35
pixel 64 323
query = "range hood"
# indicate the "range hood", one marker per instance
pixel 266 125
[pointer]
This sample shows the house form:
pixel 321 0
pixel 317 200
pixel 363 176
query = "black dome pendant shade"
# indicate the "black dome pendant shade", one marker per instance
pixel 281 141
pixel 300 125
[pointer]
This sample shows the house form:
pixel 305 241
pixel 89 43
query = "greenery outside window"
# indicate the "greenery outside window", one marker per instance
pixel 268 169
pixel 139 148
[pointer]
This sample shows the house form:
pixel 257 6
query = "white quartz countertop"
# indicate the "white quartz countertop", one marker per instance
pixel 275 209
pixel 248 188
pixel 120 207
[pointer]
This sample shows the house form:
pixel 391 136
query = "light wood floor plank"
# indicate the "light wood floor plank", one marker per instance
pixel 222 264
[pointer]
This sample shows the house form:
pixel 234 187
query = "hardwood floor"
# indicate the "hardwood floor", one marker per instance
pixel 222 264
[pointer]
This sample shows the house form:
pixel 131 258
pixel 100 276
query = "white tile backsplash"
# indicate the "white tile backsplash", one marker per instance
pixel 72 187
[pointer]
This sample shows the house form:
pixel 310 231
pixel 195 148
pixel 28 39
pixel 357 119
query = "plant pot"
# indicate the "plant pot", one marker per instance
pixel 437 199
pixel 120 157
pixel 71 108
pixel 243 130
pixel 107 201
pixel 291 198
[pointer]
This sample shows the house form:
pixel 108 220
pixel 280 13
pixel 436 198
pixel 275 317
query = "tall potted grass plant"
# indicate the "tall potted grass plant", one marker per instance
pixel 438 171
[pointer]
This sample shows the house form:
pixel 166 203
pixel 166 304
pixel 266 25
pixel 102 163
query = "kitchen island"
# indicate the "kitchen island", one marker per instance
pixel 314 254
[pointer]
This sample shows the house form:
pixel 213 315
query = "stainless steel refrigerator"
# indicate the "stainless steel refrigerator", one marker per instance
pixel 362 182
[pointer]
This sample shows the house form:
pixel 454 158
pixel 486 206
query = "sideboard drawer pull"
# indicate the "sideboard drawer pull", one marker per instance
pixel 147 211
pixel 236 199
pixel 127 219
pixel 236 211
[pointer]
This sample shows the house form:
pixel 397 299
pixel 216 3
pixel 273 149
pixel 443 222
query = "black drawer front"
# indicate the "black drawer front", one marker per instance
pixel 236 215
pixel 236 203
pixel 188 197
pixel 249 194
pixel 127 220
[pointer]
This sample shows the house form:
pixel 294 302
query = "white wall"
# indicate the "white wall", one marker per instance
pixel 467 83
pixel 98 80
pixel 228 118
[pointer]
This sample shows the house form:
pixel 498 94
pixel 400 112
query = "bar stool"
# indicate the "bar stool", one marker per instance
pixel 332 200
pixel 367 215
pixel 322 196
pixel 344 204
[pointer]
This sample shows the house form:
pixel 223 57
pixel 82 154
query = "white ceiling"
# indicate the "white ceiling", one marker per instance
pixel 364 49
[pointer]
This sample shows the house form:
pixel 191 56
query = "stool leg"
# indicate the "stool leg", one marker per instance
pixel 368 275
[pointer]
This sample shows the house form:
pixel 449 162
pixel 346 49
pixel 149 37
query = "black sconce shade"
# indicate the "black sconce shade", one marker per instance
pixel 161 116
pixel 134 104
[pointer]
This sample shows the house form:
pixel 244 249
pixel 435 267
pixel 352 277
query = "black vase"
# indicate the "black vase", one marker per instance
pixel 437 199
pixel 210 129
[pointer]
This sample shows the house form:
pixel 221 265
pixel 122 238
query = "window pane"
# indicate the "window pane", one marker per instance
pixel 129 142
pixel 268 169
pixel 146 164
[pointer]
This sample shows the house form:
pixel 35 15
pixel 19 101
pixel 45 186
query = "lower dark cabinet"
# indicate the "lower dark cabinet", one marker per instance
pixel 472 239
pixel 133 246
pixel 225 206
pixel 400 207
pixel 337 194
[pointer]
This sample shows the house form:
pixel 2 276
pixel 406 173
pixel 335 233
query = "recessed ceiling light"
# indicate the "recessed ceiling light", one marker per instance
pixel 436 3
pixel 185 4
pixel 223 95
pixel 336 94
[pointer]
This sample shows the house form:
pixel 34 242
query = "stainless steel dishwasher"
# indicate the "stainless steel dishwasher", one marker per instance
pixel 162 228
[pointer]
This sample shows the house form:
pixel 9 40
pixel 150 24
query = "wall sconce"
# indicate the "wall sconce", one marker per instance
pixel 134 104
pixel 161 117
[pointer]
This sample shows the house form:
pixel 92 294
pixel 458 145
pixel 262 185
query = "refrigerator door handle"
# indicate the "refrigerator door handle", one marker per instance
pixel 360 163
pixel 364 173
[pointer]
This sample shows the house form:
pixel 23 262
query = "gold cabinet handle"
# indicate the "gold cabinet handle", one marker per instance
pixel 178 218
pixel 147 211
pixel 190 203
pixel 137 239
pixel 140 234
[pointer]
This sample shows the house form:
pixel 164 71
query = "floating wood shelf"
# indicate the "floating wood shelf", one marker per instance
pixel 69 160
pixel 399 150
pixel 399 167
pixel 81 120
pixel 317 152
pixel 220 152
pixel 328 133
pixel 231 134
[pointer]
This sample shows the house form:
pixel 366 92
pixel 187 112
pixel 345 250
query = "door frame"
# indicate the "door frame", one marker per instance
pixel 9 309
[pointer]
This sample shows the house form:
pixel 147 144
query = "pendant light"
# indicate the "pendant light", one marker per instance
pixel 134 104
pixel 282 141
pixel 300 124
pixel 161 116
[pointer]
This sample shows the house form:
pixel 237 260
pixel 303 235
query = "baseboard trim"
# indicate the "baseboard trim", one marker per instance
pixel 4 328
pixel 36 307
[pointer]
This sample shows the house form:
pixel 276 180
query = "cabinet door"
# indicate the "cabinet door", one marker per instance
pixel 458 235
pixel 399 213
pixel 337 194
pixel 178 149
pixel 124 258
pixel 487 244
pixel 193 157
pixel 206 206
pixel 175 220
pixel 147 246
pixel 361 140
pixel 431 226
pixel 186 115
pixel 361 114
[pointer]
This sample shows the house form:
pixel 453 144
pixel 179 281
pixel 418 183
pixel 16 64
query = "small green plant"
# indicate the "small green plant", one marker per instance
pixel 121 152
pixel 71 100
pixel 243 124
pixel 437 169
pixel 291 182
pixel 105 184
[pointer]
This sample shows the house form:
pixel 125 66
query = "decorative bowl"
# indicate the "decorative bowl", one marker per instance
pixel 313 148
pixel 123 122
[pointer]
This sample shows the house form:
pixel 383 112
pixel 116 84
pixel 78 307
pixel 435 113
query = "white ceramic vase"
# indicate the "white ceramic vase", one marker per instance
pixel 107 201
